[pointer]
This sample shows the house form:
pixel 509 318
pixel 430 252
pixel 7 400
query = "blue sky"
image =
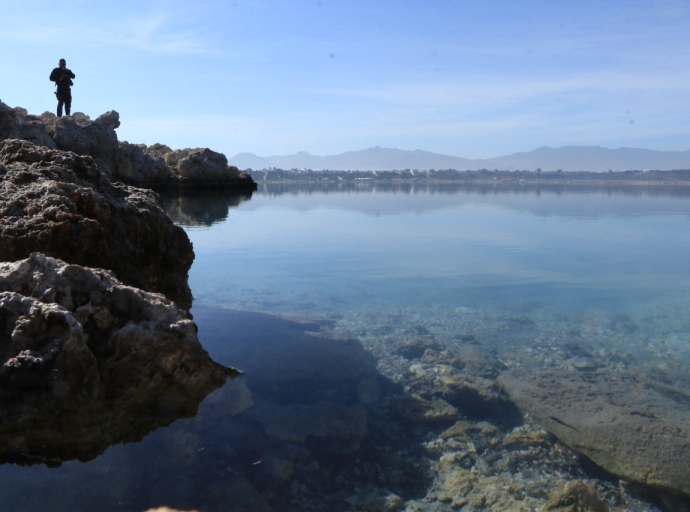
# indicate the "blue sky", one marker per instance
pixel 467 78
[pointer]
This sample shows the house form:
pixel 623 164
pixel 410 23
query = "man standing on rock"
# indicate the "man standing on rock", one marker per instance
pixel 63 79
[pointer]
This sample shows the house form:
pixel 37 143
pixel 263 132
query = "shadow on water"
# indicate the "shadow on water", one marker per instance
pixel 202 208
pixel 310 423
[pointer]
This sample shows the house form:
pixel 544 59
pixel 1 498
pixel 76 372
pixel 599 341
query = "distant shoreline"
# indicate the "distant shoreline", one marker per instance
pixel 497 183
pixel 481 177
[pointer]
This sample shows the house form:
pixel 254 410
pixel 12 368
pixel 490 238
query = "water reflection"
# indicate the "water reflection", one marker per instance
pixel 479 189
pixel 202 208
pixel 44 437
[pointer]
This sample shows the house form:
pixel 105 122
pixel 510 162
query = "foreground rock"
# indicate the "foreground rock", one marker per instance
pixel 87 362
pixel 634 424
pixel 156 166
pixel 58 203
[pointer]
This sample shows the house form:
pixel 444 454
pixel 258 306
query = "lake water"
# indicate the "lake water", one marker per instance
pixel 320 293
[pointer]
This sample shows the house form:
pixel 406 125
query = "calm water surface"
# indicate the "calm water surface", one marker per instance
pixel 324 251
pixel 372 262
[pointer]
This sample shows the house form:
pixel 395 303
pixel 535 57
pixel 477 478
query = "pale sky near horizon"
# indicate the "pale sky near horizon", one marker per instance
pixel 475 79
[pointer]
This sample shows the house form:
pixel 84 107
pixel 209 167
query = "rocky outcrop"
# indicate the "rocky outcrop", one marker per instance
pixel 94 356
pixel 201 166
pixel 86 362
pixel 58 203
pixel 18 124
pixel 156 166
pixel 635 424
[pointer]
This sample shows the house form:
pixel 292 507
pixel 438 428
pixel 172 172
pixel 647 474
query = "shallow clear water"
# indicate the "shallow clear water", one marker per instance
pixel 522 270
pixel 324 252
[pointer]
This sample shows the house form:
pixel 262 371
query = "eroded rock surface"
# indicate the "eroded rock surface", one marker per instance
pixel 202 165
pixel 575 496
pixel 87 362
pixel 58 203
pixel 635 424
pixel 155 166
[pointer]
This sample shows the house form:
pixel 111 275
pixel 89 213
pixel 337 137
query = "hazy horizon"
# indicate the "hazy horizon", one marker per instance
pixel 462 156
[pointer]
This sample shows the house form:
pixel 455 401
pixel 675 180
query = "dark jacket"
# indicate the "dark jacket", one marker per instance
pixel 62 77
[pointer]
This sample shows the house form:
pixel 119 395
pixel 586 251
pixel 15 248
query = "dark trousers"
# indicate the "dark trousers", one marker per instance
pixel 64 97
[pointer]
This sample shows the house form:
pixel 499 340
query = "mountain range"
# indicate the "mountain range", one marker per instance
pixel 567 158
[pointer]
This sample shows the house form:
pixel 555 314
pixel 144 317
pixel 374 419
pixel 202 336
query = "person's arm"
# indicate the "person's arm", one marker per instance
pixel 53 76
pixel 71 75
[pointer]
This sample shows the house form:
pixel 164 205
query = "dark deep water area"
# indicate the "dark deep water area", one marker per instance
pixel 371 322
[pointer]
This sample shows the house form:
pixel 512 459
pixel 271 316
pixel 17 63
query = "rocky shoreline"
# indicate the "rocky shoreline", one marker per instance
pixel 94 297
pixel 156 166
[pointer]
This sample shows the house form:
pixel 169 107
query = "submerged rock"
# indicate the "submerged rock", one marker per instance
pixel 575 496
pixel 330 427
pixel 87 362
pixel 635 424
pixel 414 348
pixel 479 361
pixel 425 411
pixel 58 203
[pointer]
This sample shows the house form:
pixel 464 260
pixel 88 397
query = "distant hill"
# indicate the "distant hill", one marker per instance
pixel 567 158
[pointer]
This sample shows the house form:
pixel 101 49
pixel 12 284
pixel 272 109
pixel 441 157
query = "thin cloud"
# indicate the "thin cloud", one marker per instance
pixel 493 90
pixel 156 32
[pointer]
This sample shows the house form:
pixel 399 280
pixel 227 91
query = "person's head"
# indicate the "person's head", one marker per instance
pixel 63 63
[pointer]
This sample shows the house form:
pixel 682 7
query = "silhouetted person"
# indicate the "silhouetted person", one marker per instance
pixel 63 79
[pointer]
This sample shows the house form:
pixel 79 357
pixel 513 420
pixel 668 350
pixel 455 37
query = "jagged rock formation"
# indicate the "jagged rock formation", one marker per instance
pixel 634 424
pixel 157 166
pixel 87 362
pixel 58 203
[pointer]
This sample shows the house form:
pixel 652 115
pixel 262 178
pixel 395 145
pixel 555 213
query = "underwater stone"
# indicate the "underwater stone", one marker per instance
pixel 635 424
pixel 479 361
pixel 575 496
pixel 475 396
pixel 425 411
pixel 415 348
pixel 335 428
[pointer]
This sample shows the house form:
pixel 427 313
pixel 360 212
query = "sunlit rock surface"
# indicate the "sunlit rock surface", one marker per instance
pixel 58 203
pixel 156 166
pixel 201 165
pixel 87 362
pixel 635 424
